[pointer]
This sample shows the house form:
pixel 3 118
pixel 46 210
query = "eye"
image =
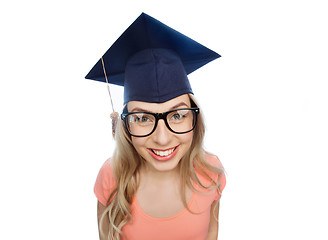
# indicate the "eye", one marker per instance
pixel 140 118
pixel 179 115
pixel 176 116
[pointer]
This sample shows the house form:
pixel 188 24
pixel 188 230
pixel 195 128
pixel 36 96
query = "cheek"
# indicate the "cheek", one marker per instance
pixel 186 138
pixel 139 143
pixel 185 143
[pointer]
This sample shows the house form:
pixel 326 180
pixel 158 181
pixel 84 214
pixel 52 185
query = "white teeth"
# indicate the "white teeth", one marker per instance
pixel 163 153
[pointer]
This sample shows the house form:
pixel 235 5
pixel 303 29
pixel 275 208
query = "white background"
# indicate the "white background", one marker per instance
pixel 265 103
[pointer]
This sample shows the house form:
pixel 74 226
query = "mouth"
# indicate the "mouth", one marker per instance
pixel 163 155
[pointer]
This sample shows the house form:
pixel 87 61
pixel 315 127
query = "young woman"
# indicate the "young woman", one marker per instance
pixel 160 183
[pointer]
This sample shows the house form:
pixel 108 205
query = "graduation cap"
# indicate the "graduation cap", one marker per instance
pixel 151 61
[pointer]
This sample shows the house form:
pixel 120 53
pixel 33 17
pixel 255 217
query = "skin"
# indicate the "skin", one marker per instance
pixel 213 228
pixel 162 138
pixel 159 180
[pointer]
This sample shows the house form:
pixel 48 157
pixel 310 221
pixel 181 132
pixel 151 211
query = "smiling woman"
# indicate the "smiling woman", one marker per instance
pixel 154 148
pixel 160 183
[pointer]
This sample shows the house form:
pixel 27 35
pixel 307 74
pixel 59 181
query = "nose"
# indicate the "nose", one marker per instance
pixel 162 134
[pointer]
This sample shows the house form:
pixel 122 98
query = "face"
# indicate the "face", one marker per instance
pixel 163 149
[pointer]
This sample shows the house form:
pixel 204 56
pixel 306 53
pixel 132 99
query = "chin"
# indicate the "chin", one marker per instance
pixel 170 165
pixel 162 164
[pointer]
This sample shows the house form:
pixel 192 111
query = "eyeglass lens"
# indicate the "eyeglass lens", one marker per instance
pixel 180 121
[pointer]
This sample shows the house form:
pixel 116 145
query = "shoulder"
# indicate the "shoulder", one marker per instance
pixel 105 182
pixel 213 160
pixel 107 166
pixel 219 175
pixel 106 172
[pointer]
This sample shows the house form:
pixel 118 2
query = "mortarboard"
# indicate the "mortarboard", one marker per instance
pixel 151 61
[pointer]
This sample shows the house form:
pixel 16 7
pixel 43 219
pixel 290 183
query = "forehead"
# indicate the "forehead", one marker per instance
pixel 181 101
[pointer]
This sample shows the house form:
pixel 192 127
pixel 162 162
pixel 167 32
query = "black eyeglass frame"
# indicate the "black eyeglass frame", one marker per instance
pixel 159 116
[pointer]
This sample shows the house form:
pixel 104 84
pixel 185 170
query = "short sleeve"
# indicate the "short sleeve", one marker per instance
pixel 220 178
pixel 222 183
pixel 105 183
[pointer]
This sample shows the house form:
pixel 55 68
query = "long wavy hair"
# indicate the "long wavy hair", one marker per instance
pixel 126 163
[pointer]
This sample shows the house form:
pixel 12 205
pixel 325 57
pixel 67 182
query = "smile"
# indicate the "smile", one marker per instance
pixel 163 155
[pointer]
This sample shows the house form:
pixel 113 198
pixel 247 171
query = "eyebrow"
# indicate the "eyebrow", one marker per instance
pixel 137 109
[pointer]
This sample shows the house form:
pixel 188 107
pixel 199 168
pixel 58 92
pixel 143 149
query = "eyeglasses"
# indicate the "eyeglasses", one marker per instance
pixel 142 124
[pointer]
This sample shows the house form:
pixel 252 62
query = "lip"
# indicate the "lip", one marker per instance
pixel 163 158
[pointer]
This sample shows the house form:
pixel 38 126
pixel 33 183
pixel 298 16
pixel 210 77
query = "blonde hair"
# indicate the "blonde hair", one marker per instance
pixel 126 163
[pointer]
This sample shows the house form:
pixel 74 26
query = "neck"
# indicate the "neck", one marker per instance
pixel 156 176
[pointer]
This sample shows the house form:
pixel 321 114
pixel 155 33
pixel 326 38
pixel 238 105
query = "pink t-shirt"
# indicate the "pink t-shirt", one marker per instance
pixel 184 225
